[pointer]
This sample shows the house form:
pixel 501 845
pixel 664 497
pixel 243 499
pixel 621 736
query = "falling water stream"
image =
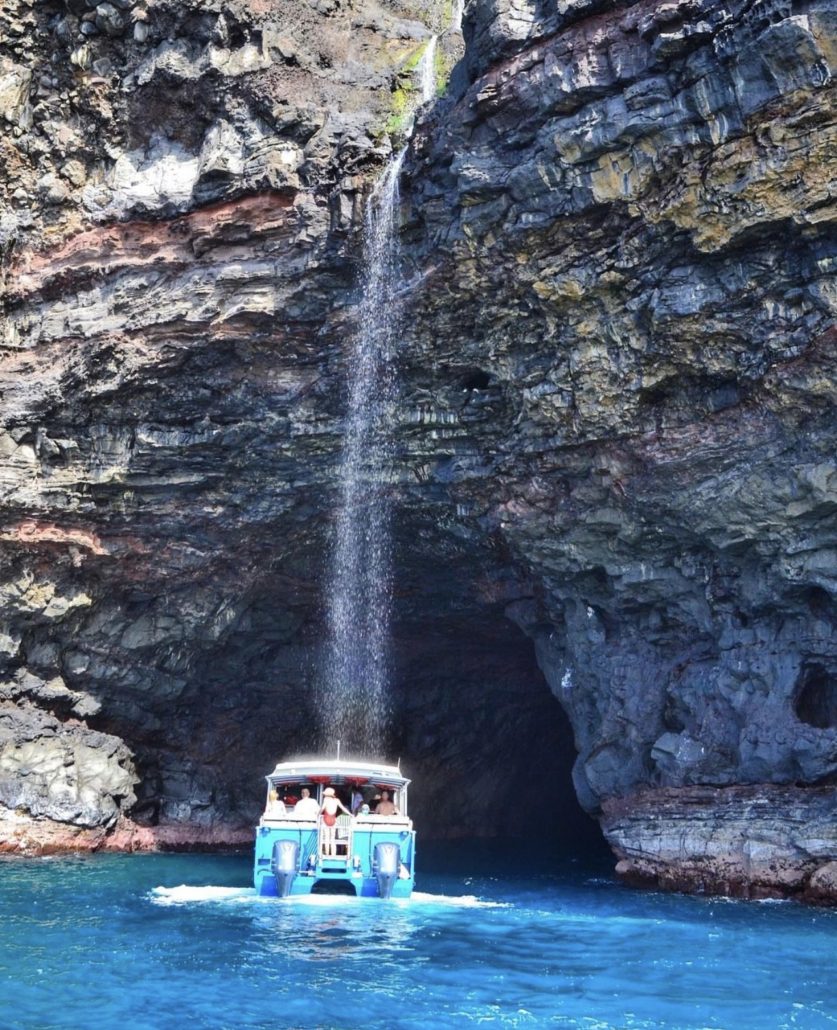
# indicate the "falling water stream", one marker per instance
pixel 355 705
pixel 427 71
pixel 354 696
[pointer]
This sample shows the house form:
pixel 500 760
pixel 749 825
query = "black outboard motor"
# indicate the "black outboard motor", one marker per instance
pixel 387 862
pixel 284 865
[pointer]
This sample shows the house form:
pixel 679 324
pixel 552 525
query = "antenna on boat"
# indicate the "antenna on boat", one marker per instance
pixel 338 750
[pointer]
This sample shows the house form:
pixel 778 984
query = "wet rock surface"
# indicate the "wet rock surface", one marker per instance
pixel 727 841
pixel 615 437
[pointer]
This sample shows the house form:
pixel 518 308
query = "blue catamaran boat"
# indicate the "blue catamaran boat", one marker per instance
pixel 369 851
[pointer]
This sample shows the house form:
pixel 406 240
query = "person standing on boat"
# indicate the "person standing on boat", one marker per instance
pixel 275 807
pixel 385 806
pixel 306 807
pixel 328 813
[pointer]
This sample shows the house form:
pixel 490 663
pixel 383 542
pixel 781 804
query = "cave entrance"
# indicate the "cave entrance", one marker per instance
pixel 815 697
pixel 490 749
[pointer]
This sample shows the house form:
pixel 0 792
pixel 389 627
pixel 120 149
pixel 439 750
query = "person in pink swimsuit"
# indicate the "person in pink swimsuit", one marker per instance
pixel 328 814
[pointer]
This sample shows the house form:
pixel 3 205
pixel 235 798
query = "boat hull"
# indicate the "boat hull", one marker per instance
pixel 313 873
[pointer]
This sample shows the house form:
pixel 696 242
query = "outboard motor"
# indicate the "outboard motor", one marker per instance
pixel 284 865
pixel 387 861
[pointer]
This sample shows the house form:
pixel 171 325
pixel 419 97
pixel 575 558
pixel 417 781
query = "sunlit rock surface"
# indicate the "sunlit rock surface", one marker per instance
pixel 615 440
pixel 625 223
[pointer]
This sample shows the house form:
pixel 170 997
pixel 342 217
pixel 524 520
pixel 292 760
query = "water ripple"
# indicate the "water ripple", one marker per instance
pixel 155 941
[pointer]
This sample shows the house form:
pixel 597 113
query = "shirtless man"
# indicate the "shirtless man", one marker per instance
pixel 385 806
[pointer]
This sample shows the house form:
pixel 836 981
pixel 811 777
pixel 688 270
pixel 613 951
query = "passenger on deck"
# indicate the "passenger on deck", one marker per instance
pixel 306 807
pixel 357 799
pixel 328 811
pixel 275 807
pixel 385 806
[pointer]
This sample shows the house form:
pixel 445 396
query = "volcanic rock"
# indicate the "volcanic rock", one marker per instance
pixel 614 440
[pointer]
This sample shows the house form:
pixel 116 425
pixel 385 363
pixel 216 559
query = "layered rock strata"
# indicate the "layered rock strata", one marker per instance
pixel 626 218
pixel 178 199
pixel 616 427
pixel 173 336
pixel 727 840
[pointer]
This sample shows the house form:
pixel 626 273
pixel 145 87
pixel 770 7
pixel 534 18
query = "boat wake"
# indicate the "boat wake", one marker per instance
pixel 188 895
pixel 184 894
pixel 455 901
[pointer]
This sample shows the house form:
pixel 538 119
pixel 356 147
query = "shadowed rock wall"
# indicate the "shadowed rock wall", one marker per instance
pixel 616 432
pixel 179 283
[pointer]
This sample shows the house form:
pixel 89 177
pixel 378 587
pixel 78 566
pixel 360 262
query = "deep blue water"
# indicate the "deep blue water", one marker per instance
pixel 117 942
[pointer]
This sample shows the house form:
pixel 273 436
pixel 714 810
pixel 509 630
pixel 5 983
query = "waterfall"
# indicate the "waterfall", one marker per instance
pixel 456 16
pixel 353 685
pixel 354 699
pixel 427 71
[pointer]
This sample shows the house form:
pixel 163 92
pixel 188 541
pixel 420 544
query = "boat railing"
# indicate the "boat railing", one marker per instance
pixel 370 822
pixel 343 835
pixel 383 822
pixel 340 839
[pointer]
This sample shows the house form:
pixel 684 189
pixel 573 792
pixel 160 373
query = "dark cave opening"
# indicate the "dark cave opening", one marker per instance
pixel 815 697
pixel 488 748
pixel 477 379
pixel 208 713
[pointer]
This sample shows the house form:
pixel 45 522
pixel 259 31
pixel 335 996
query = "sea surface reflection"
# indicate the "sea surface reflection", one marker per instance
pixel 159 941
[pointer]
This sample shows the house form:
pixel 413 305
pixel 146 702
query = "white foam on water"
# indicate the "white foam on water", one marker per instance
pixel 416 898
pixel 325 900
pixel 185 894
pixel 456 901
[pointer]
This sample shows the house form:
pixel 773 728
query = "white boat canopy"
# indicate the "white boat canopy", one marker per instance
pixel 356 772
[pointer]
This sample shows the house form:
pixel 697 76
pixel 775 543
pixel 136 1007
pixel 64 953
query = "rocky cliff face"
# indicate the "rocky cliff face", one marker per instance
pixel 616 431
pixel 174 328
pixel 628 217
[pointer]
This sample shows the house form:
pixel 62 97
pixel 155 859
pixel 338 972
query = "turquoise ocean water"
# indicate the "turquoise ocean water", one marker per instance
pixel 161 941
